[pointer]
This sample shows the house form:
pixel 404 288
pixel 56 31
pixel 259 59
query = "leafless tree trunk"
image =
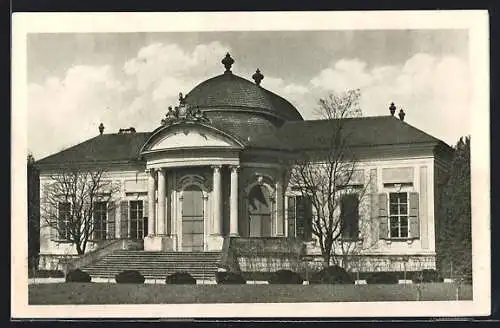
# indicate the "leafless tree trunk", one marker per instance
pixel 81 189
pixel 326 176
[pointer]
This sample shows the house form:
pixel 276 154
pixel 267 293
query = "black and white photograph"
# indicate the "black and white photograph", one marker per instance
pixel 245 164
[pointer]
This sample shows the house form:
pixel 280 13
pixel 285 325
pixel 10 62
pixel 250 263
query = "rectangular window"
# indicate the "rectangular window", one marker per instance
pixel 398 215
pixel 64 220
pixel 100 215
pixel 136 219
pixel 349 216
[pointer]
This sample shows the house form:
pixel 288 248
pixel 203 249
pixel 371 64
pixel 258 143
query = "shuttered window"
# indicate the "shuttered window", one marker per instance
pixel 63 229
pixel 99 220
pixel 398 215
pixel 349 216
pixel 136 220
pixel 303 217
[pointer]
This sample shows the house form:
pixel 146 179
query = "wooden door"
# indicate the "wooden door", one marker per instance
pixel 192 219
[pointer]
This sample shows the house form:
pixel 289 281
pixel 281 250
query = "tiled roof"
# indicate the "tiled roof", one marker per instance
pixel 249 130
pixel 362 131
pixel 229 92
pixel 255 132
pixel 103 148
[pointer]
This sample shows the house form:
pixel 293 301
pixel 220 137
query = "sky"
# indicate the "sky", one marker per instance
pixel 78 80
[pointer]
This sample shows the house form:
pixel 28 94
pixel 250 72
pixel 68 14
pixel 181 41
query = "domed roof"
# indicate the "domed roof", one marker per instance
pixel 229 93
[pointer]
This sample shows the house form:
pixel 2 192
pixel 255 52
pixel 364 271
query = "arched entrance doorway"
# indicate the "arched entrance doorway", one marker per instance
pixel 260 208
pixel 192 219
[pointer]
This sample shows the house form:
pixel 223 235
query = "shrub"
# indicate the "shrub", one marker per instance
pixel 179 278
pixel 77 275
pixel 229 278
pixel 48 274
pixel 382 278
pixel 331 275
pixel 129 277
pixel 285 277
pixel 428 275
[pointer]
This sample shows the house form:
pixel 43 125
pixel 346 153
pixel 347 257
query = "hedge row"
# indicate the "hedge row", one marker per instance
pixel 329 275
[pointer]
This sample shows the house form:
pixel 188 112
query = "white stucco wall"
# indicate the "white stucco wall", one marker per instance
pixel 372 245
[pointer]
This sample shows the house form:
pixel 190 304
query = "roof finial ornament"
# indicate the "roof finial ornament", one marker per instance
pixel 401 114
pixel 392 109
pixel 101 128
pixel 257 77
pixel 182 99
pixel 227 62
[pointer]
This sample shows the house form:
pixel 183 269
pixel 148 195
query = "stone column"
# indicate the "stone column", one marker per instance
pixel 151 202
pixel 217 200
pixel 162 194
pixel 233 217
pixel 280 205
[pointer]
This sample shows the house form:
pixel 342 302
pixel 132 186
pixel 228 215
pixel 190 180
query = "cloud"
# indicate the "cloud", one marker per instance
pixel 63 111
pixel 66 110
pixel 434 91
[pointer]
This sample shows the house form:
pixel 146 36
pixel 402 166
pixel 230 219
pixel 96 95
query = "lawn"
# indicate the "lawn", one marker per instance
pixel 110 293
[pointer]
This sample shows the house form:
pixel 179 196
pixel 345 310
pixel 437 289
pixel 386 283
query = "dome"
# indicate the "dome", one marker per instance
pixel 231 93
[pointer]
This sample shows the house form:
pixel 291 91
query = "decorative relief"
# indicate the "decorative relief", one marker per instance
pixel 202 180
pixel 184 112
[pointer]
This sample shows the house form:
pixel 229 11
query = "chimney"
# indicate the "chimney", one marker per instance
pixel 130 130
pixel 401 114
pixel 101 128
pixel 392 109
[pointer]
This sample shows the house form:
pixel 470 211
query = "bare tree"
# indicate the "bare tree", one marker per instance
pixel 69 203
pixel 327 177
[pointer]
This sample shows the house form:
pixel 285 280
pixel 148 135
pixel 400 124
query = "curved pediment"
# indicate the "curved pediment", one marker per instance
pixel 182 136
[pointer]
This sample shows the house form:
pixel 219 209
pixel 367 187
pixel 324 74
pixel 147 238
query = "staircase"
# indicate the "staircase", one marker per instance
pixel 155 265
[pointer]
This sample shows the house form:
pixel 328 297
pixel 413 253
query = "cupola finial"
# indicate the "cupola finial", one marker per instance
pixel 402 114
pixel 227 62
pixel 257 77
pixel 101 128
pixel 392 109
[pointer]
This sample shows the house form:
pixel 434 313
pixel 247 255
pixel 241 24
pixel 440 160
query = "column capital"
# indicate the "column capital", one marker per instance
pixel 234 168
pixel 216 168
pixel 149 171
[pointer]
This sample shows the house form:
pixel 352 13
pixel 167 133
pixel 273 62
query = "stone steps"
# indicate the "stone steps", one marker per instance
pixel 156 265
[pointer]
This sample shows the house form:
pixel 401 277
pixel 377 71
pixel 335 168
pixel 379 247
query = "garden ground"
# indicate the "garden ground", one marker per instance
pixel 111 293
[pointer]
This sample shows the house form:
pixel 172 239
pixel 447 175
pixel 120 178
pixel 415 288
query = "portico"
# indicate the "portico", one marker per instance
pixel 185 207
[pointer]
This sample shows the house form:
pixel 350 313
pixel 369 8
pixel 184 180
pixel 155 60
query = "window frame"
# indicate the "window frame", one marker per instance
pixel 399 216
pixel 66 238
pixel 139 220
pixel 103 232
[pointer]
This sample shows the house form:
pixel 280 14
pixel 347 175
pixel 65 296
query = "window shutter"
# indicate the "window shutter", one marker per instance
pixel 124 219
pixel 94 222
pixel 111 221
pixel 145 211
pixel 304 218
pixel 349 214
pixel 291 216
pixel 383 230
pixel 414 219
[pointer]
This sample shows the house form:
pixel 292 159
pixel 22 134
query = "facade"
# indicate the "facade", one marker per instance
pixel 218 165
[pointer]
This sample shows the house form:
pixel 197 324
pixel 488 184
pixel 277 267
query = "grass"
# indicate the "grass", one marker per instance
pixel 110 293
